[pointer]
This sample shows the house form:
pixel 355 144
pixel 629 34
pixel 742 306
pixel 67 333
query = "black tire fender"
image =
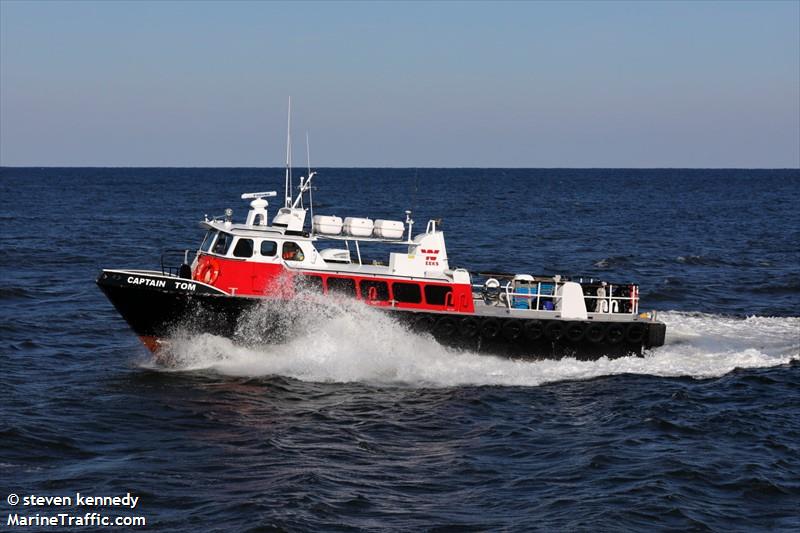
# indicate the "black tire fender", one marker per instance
pixel 615 333
pixel 423 323
pixel 554 330
pixel 635 333
pixel 575 331
pixel 445 327
pixel 533 330
pixel 490 328
pixel 512 329
pixel 595 333
pixel 468 328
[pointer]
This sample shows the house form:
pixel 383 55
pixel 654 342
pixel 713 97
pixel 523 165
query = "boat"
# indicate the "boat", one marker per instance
pixel 239 267
pixel 261 267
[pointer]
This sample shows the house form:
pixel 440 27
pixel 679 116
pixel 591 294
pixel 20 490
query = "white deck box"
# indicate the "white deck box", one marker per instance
pixel 335 255
pixel 389 229
pixel 358 227
pixel 327 225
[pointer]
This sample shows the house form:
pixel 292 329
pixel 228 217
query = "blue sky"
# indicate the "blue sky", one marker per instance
pixel 538 84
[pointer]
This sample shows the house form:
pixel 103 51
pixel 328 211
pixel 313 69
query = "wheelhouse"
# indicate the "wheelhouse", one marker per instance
pixel 283 260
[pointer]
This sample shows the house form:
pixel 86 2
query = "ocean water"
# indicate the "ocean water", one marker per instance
pixel 358 424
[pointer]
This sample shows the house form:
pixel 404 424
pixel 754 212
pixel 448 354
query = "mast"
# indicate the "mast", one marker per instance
pixel 288 193
pixel 310 189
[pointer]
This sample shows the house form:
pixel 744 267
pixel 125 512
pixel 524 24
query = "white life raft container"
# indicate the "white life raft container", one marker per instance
pixel 389 229
pixel 327 225
pixel 358 227
pixel 335 255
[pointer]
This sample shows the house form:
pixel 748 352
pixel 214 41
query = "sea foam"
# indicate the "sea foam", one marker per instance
pixel 345 341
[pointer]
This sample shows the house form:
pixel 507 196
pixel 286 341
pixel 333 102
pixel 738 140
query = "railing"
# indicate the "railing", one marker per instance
pixel 610 302
pixel 214 218
pixel 171 256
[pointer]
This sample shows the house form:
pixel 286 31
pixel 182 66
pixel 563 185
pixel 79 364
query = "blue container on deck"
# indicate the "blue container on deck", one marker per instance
pixel 523 302
pixel 548 289
pixel 529 302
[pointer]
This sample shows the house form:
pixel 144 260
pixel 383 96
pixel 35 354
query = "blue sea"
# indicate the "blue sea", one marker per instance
pixel 357 424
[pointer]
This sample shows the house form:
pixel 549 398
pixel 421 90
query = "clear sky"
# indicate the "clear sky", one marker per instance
pixel 538 84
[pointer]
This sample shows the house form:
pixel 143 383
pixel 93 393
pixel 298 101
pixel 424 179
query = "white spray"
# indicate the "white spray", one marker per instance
pixel 345 341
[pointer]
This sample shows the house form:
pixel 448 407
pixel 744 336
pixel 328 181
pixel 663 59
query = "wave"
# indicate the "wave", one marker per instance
pixel 701 260
pixel 348 342
pixel 13 293
pixel 710 260
pixel 613 261
pixel 790 287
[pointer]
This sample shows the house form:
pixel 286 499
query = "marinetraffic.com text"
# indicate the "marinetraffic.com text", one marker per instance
pixel 78 510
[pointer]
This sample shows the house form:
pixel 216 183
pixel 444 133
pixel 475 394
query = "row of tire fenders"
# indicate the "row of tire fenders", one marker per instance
pixel 513 330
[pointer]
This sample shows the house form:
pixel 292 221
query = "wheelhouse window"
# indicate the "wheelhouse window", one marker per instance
pixel 437 294
pixel 407 293
pixel 243 248
pixel 269 248
pixel 208 240
pixel 292 252
pixel 342 286
pixel 223 243
pixel 374 291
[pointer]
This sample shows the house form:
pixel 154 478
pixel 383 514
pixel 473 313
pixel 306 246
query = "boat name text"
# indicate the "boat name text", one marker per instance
pixel 161 283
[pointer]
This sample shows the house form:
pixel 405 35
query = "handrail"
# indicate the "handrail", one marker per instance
pixel 173 270
pixel 539 295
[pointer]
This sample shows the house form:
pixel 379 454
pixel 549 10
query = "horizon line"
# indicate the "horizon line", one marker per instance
pixel 391 167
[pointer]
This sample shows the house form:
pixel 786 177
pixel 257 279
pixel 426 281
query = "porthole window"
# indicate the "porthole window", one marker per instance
pixel 407 293
pixel 437 294
pixel 308 283
pixel 342 286
pixel 374 291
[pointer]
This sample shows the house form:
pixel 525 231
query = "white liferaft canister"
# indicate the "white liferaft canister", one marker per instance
pixel 358 227
pixel 389 229
pixel 327 225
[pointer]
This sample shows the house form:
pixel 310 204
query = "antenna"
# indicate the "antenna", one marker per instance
pixel 301 189
pixel 305 186
pixel 266 194
pixel 416 189
pixel 310 189
pixel 288 193
pixel 308 154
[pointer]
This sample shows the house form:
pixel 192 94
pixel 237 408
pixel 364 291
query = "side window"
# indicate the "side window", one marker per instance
pixel 407 292
pixel 243 248
pixel 342 286
pixel 374 290
pixel 437 294
pixel 208 240
pixel 292 252
pixel 308 283
pixel 269 248
pixel 223 243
